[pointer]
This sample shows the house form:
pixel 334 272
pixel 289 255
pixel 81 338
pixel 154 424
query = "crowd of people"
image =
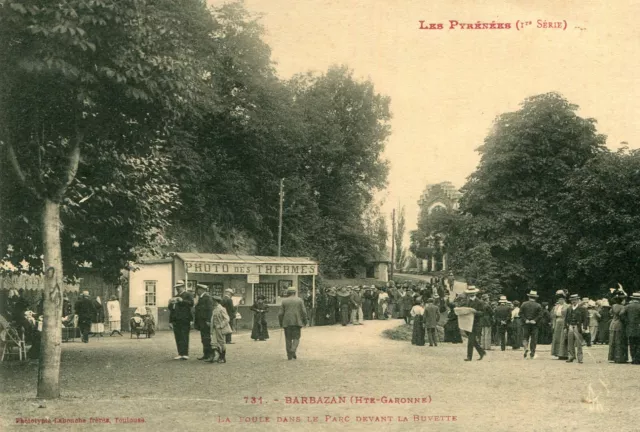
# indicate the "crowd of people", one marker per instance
pixel 87 316
pixel 569 325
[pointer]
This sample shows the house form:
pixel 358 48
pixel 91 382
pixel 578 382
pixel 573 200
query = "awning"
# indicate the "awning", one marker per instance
pixel 226 264
pixel 29 282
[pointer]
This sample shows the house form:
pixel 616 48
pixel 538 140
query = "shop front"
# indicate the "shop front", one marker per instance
pixel 248 276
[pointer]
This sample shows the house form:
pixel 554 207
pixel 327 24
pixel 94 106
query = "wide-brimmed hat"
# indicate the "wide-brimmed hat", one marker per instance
pixel 574 297
pixel 112 298
pixel 179 284
pixel 635 296
pixel 591 304
pixel 85 293
pixel 291 289
pixel 201 286
pixel 503 299
pixel 229 290
pixel 471 290
pixel 604 303
pixel 533 294
pixel 561 293
pixel 343 291
pixel 331 291
pixel 217 298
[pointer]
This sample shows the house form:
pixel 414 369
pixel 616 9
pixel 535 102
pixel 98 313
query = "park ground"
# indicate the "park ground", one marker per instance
pixel 130 378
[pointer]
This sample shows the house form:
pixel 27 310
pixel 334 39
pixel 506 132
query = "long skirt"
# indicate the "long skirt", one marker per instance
pixel 344 314
pixel 115 326
pixel 603 331
pixel 515 334
pixel 367 309
pixel 618 346
pixel 485 338
pixel 417 338
pixel 382 310
pixel 544 334
pixel 452 331
pixel 259 330
pixel 97 328
pixel 559 347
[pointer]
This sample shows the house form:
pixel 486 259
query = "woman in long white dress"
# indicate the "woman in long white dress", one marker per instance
pixel 114 315
pixel 559 339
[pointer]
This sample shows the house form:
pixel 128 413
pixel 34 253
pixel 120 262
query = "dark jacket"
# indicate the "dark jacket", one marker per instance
pixel 84 309
pixel 480 308
pixel 227 303
pixel 502 314
pixel 631 316
pixel 180 312
pixel 531 310
pixel 203 311
pixel 578 316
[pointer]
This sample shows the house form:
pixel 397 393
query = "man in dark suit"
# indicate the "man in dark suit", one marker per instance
pixel 530 314
pixel 292 316
pixel 227 303
pixel 576 321
pixel 202 320
pixel 478 305
pixel 180 319
pixel 85 311
pixel 502 315
pixel 631 316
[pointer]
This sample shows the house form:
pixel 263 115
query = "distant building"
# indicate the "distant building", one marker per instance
pixel 437 197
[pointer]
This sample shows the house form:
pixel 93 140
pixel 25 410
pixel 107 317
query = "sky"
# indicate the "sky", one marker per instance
pixel 447 86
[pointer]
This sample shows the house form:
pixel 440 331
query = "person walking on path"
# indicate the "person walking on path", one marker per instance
pixel 451 328
pixel 292 317
pixel 220 327
pixel 502 315
pixel 530 314
pixel 605 321
pixel 431 318
pixel 202 320
pixel 631 316
pixel 576 322
pixel 515 335
pixel 86 311
pixel 478 306
pixel 356 307
pixel 344 298
pixel 114 315
pixel 406 302
pixel 180 319
pixel 594 319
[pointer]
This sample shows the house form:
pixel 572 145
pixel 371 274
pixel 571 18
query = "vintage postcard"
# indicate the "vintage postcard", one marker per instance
pixel 319 215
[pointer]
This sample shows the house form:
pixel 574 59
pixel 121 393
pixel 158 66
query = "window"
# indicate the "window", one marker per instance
pixel 149 293
pixel 268 290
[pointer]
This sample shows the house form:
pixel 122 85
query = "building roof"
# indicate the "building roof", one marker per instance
pixel 237 259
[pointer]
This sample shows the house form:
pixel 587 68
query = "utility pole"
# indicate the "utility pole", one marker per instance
pixel 393 241
pixel 280 217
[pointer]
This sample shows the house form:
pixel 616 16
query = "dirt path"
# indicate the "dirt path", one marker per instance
pixel 119 377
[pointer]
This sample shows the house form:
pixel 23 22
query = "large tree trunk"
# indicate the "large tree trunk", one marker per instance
pixel 49 370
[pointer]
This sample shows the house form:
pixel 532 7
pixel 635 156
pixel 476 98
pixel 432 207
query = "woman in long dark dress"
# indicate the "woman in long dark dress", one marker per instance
pixel 417 312
pixel 544 326
pixel 605 322
pixel 515 333
pixel 367 304
pixel 618 346
pixel 451 329
pixel 260 332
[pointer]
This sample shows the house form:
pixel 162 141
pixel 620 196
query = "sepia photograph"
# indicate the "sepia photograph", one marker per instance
pixel 309 215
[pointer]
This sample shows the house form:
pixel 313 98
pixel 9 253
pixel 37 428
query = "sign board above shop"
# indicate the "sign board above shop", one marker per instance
pixel 253 279
pixel 223 264
pixel 251 269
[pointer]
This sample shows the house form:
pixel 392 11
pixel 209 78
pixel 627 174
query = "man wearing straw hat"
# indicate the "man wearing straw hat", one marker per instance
pixel 530 313
pixel 478 309
pixel 180 319
pixel 292 317
pixel 502 315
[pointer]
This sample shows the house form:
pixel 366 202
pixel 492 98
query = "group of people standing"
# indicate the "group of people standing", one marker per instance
pixel 568 326
pixel 354 304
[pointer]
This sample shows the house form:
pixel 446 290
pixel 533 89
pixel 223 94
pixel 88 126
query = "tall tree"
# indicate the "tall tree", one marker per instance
pixel 86 83
pixel 515 196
